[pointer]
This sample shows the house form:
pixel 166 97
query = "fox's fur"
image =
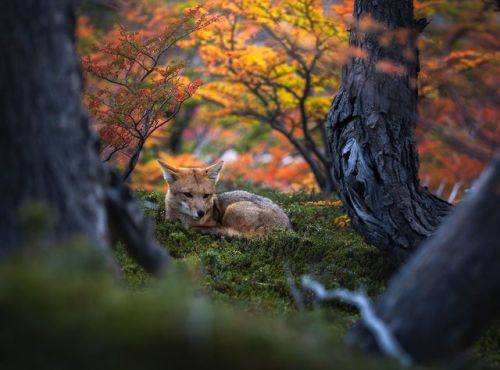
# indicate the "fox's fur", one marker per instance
pixel 192 200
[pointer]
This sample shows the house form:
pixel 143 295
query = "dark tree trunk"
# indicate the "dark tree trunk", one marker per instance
pixel 179 124
pixel 448 293
pixel 49 155
pixel 371 128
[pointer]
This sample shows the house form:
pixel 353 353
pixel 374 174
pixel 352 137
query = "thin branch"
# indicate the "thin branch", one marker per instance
pixel 114 82
pixel 113 152
pixel 382 333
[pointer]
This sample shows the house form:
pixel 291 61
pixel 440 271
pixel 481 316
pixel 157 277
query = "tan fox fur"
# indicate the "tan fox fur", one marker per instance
pixel 192 200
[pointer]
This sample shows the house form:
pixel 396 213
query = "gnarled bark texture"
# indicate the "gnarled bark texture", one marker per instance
pixel 49 154
pixel 448 292
pixel 371 128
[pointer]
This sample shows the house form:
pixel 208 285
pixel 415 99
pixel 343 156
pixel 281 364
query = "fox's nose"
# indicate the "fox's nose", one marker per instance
pixel 201 213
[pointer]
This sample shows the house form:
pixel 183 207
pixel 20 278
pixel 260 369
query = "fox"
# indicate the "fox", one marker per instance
pixel 192 200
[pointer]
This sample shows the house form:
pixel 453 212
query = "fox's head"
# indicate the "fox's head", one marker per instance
pixel 191 190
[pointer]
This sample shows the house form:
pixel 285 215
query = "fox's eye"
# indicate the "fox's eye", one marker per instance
pixel 189 195
pixel 205 196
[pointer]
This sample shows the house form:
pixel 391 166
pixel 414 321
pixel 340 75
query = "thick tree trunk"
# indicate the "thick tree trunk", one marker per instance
pixel 371 132
pixel 49 155
pixel 448 293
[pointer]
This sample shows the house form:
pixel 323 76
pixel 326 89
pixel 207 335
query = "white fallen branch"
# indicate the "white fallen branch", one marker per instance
pixel 386 341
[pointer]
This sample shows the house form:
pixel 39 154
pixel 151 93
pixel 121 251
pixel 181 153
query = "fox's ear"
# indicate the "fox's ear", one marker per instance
pixel 213 171
pixel 170 173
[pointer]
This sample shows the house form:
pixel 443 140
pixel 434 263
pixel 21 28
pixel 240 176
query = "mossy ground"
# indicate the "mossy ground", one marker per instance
pixel 252 272
pixel 222 303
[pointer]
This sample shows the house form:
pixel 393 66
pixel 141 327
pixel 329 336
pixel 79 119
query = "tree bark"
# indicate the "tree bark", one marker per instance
pixel 447 294
pixel 49 154
pixel 178 126
pixel 371 129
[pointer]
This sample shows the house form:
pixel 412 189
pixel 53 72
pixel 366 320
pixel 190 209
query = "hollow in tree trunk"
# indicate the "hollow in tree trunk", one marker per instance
pixel 371 131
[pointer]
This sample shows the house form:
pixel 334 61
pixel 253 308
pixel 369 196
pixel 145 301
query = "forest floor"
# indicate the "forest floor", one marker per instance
pixel 222 303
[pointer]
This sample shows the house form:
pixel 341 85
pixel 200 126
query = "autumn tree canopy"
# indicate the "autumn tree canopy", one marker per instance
pixel 276 63
pixel 140 90
pixel 458 105
pixel 269 70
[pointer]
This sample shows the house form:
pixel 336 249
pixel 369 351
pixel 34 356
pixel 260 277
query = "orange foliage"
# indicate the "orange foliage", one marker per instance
pixel 342 221
pixel 132 92
pixel 276 173
pixel 272 168
pixel 458 125
pixel 276 64
pixel 326 203
pixel 253 58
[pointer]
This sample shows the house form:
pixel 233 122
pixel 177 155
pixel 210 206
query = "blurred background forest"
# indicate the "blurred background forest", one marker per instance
pixel 251 82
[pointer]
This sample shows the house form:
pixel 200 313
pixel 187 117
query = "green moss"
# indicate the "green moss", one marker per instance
pixel 488 348
pixel 64 309
pixel 224 304
pixel 251 272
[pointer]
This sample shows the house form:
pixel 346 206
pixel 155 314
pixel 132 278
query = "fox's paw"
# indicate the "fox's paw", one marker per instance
pixel 220 232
